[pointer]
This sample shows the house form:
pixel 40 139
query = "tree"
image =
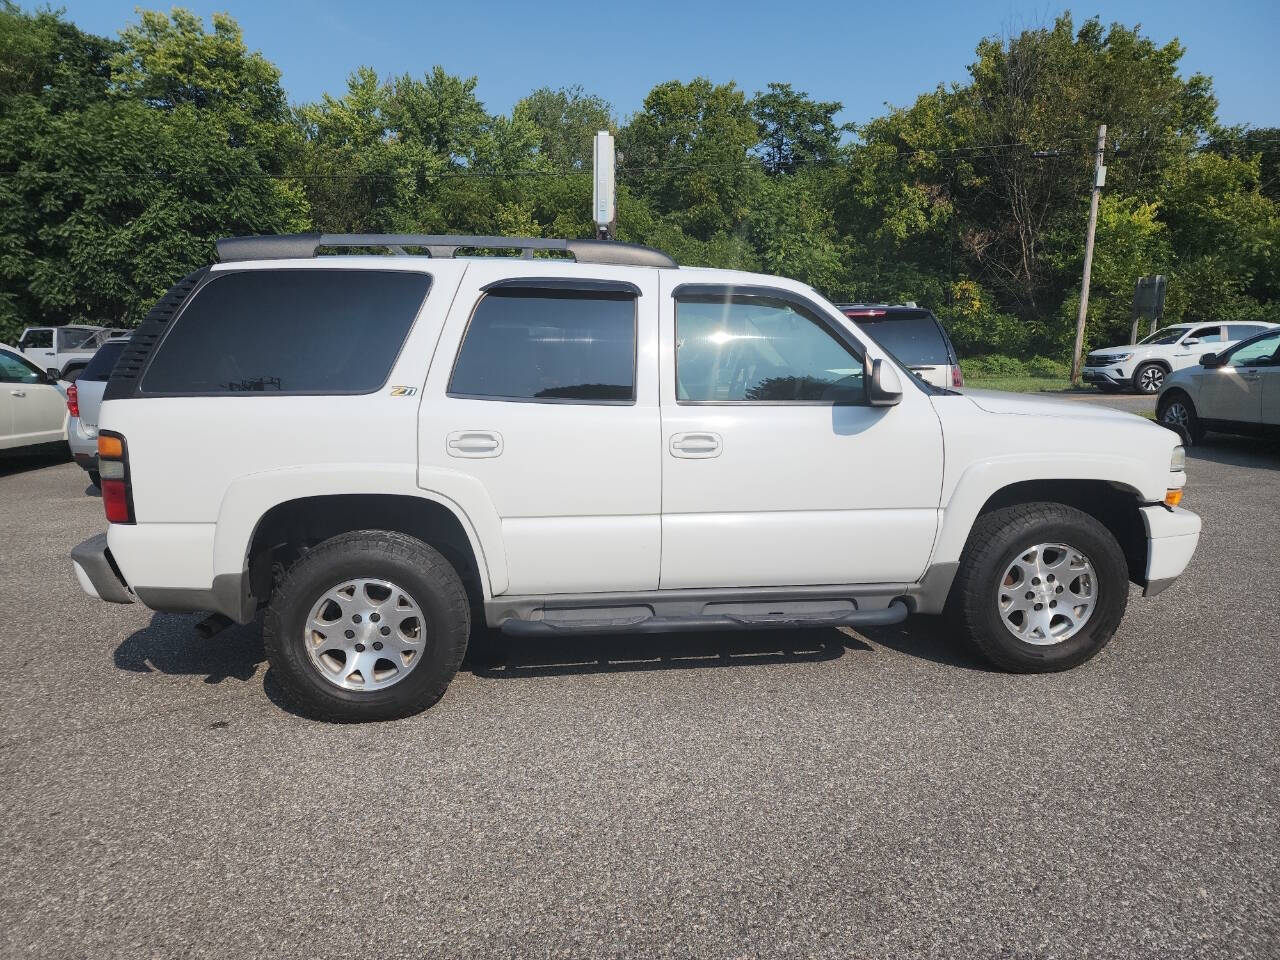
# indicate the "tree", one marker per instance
pixel 794 129
pixel 566 121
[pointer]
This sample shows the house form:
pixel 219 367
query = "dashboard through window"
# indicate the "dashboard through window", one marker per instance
pixel 757 349
pixel 549 345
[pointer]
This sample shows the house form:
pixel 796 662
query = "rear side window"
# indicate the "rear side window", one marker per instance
pixel 549 345
pixel 1242 331
pixel 289 331
pixel 99 368
pixel 915 339
pixel 75 339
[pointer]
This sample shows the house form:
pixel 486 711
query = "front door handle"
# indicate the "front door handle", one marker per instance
pixel 17 393
pixel 474 443
pixel 696 446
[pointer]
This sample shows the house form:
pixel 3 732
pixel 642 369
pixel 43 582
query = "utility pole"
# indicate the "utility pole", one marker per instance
pixel 1099 178
pixel 604 207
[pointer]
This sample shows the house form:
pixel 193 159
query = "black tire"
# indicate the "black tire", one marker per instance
pixel 1185 423
pixel 95 478
pixel 401 559
pixel 1149 378
pixel 996 541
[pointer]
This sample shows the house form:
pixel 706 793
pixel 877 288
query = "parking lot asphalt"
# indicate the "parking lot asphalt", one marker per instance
pixel 876 794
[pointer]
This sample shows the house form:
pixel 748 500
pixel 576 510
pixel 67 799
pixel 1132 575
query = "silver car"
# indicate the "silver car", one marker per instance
pixel 84 398
pixel 1236 391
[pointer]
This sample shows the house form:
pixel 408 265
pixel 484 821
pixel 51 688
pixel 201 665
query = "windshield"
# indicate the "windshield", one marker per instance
pixel 99 368
pixel 1167 335
pixel 913 338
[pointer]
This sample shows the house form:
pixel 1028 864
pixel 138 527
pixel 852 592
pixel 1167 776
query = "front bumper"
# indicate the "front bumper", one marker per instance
pixel 97 571
pixel 1114 375
pixel 1172 536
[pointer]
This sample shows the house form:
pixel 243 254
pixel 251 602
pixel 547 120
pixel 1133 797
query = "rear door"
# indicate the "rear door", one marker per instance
pixel 544 389
pixel 775 469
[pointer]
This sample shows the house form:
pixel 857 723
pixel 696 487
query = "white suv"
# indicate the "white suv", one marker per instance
pixel 392 448
pixel 1144 365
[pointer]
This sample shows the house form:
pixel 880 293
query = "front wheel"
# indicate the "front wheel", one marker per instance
pixel 1148 378
pixel 1177 412
pixel 370 625
pixel 1041 587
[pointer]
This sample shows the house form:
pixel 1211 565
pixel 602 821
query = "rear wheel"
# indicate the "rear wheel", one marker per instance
pixel 370 625
pixel 1178 412
pixel 1041 587
pixel 1148 378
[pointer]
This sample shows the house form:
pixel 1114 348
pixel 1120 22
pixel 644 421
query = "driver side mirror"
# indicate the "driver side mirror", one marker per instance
pixel 1191 342
pixel 884 387
pixel 1210 360
pixel 53 373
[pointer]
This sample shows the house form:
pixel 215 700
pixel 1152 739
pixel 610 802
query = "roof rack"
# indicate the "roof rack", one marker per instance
pixel 288 246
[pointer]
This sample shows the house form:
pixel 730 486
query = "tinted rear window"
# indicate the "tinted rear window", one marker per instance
pixel 99 368
pixel 915 339
pixel 289 331
pixel 539 345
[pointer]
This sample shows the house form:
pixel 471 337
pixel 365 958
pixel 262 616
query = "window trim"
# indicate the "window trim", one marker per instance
pixel 720 292
pixel 213 276
pixel 569 290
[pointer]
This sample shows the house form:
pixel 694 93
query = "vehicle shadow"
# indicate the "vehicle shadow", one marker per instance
pixel 25 461
pixel 928 638
pixel 1237 451
pixel 170 645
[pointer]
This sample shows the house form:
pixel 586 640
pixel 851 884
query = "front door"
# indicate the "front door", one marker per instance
pixel 38 410
pixel 775 469
pixel 1234 391
pixel 545 391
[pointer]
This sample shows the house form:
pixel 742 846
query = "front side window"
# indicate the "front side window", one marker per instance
pixel 316 331
pixel 1207 335
pixel 549 345
pixel 760 350
pixel 1260 353
pixel 16 369
pixel 36 340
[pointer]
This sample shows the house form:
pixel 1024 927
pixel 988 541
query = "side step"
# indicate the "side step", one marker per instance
pixel 642 620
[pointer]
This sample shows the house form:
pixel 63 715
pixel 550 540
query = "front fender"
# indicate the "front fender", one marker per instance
pixel 248 499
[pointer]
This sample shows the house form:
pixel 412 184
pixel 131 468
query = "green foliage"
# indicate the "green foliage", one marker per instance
pixel 122 160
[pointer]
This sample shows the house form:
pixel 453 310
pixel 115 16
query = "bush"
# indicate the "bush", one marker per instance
pixel 997 366
pixel 1048 367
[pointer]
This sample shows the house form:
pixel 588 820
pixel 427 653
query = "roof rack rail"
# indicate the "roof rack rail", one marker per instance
pixel 288 246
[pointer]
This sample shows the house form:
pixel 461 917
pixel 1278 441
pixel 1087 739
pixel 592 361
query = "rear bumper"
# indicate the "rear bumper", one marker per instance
pixel 97 572
pixel 1172 536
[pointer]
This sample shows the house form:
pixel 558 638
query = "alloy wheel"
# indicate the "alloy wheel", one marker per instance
pixel 365 634
pixel 1047 594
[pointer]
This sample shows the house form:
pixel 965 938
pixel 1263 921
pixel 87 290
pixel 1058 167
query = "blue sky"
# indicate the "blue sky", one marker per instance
pixel 862 54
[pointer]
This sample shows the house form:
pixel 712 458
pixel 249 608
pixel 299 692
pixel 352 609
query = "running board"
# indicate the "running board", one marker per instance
pixel 642 620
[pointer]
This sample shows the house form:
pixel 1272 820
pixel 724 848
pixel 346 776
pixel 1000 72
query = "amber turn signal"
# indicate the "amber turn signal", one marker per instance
pixel 109 446
pixel 1173 497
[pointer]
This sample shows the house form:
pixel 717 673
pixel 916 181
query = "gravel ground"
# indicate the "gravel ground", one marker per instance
pixel 802 794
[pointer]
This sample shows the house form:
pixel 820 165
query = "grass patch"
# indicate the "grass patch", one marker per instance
pixel 1020 384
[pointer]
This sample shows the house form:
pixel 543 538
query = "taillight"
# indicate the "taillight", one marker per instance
pixel 865 313
pixel 73 401
pixel 957 376
pixel 113 468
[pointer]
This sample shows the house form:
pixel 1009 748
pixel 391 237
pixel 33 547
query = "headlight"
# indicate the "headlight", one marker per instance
pixel 1178 462
pixel 1119 358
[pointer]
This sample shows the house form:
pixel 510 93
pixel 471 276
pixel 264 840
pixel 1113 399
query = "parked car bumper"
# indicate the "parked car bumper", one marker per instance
pixel 1114 375
pixel 84 443
pixel 1172 536
pixel 97 572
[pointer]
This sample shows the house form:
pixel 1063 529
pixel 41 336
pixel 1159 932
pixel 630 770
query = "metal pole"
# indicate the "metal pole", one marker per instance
pixel 1099 178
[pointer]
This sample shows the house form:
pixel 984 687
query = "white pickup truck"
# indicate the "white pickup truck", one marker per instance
pixel 392 448
pixel 1143 366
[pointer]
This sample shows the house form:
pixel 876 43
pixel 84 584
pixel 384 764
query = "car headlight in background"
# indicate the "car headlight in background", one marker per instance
pixel 1178 461
pixel 1119 358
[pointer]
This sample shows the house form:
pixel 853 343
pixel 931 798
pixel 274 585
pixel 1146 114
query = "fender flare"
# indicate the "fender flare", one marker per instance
pixel 248 499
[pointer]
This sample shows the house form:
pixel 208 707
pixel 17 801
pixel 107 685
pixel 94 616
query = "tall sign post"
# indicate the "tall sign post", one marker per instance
pixel 604 206
pixel 1148 301
pixel 1099 178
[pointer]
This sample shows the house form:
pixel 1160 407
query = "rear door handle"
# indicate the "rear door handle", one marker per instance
pixel 696 446
pixel 474 443
pixel 17 393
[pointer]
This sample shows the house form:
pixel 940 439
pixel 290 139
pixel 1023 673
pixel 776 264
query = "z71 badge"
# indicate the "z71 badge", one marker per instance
pixel 403 391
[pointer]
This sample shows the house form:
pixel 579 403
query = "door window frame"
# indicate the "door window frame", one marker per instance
pixel 720 292
pixel 585 288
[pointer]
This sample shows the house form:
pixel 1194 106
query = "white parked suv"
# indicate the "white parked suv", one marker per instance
pixel 1143 366
pixel 595 440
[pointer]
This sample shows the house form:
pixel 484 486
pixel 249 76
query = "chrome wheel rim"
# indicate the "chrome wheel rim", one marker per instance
pixel 1176 414
pixel 1152 379
pixel 365 634
pixel 1047 594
